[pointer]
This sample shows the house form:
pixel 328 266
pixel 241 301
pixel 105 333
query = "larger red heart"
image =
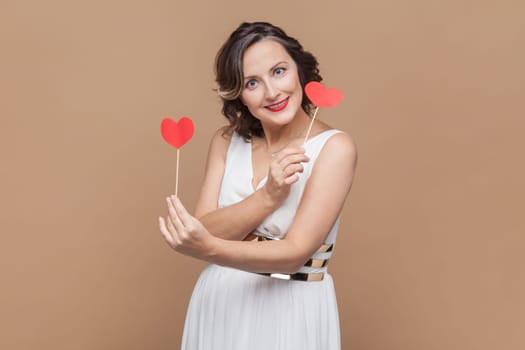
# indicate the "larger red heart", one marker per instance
pixel 177 134
pixel 321 96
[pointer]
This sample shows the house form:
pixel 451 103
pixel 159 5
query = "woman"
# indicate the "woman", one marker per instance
pixel 262 182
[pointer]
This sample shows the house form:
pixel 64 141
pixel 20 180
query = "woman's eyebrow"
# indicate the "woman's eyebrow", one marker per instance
pixel 277 64
pixel 271 69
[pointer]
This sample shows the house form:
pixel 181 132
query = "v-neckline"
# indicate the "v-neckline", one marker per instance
pixel 264 179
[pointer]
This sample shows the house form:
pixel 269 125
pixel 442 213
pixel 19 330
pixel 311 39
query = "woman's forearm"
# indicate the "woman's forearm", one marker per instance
pixel 280 256
pixel 237 221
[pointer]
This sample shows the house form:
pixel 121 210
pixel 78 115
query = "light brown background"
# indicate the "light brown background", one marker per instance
pixel 430 249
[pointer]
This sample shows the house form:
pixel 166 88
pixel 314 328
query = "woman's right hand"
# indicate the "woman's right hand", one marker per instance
pixel 283 172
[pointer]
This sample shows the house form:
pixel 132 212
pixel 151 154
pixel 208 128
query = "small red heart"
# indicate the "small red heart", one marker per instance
pixel 177 134
pixel 321 96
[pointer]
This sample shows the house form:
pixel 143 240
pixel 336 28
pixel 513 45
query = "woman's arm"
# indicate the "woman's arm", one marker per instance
pixel 236 221
pixel 322 201
pixel 219 221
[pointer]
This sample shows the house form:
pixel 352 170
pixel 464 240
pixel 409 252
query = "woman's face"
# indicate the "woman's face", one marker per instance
pixel 272 91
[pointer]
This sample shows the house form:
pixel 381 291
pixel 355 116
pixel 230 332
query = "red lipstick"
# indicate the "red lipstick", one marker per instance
pixel 279 106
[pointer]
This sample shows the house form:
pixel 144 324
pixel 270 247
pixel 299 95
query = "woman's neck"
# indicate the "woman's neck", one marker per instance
pixel 278 137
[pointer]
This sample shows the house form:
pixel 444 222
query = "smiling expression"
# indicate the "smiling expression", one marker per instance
pixel 272 90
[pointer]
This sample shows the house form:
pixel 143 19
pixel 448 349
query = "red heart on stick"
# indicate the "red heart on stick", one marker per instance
pixel 321 96
pixel 177 134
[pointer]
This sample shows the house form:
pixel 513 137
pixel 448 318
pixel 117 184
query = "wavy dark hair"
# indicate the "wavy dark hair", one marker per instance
pixel 229 74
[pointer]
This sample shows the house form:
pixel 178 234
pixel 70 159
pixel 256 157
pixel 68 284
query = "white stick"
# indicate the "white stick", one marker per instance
pixel 177 174
pixel 311 124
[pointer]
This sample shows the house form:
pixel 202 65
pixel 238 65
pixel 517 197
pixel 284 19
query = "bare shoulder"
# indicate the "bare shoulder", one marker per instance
pixel 220 141
pixel 222 135
pixel 341 149
pixel 342 141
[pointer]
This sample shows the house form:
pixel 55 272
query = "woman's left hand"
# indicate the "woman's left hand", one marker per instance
pixel 185 233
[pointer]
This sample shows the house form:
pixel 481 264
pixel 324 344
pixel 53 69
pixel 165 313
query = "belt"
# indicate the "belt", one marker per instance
pixel 303 276
pixel 299 276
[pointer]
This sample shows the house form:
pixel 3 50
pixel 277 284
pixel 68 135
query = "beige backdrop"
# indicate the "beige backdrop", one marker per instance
pixel 430 248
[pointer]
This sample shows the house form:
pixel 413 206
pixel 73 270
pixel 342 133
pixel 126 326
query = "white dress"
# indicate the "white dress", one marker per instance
pixel 232 309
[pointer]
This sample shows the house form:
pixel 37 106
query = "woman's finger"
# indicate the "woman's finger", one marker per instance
pixel 171 228
pixel 175 234
pixel 185 217
pixel 164 230
pixel 288 152
pixel 294 158
pixel 292 169
pixel 291 179
pixel 175 219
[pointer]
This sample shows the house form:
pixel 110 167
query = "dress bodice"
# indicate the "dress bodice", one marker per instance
pixel 237 185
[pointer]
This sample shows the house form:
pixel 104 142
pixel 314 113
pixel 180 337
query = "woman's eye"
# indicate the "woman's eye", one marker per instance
pixel 279 71
pixel 251 84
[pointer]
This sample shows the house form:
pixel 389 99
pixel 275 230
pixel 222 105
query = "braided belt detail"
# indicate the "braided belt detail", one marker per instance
pixel 302 276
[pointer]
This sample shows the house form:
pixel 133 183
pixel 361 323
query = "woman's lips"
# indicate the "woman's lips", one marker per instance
pixel 279 106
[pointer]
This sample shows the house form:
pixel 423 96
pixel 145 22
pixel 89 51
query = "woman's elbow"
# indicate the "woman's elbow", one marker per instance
pixel 295 264
pixel 293 257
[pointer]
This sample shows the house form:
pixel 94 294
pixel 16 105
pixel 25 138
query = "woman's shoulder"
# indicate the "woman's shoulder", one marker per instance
pixel 339 138
pixel 340 145
pixel 223 136
pixel 220 141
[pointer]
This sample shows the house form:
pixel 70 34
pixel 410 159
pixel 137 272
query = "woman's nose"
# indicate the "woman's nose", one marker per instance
pixel 271 92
